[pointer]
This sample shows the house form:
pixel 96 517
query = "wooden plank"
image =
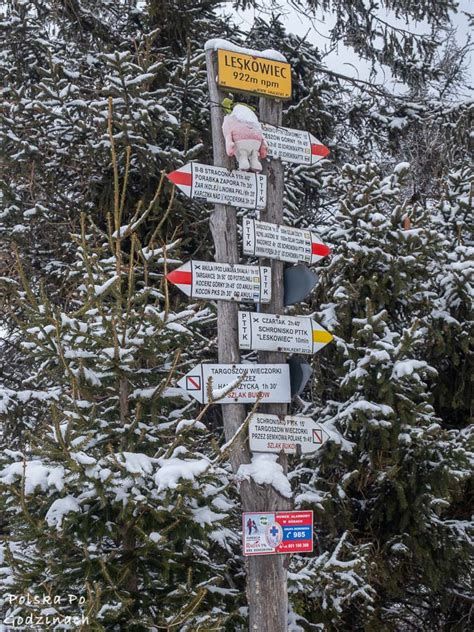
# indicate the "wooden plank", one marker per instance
pixel 223 225
pixel 266 581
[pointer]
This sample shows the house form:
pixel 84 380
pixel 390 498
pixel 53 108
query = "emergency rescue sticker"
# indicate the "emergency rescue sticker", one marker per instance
pixel 258 75
pixel 267 533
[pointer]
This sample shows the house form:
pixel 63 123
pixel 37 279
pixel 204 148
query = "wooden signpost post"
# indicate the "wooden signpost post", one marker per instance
pixel 269 527
pixel 267 592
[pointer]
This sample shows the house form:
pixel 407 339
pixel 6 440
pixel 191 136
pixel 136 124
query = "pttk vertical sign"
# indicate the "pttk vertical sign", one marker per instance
pixel 267 533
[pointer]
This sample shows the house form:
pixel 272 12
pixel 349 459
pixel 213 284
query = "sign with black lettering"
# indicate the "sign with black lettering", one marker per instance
pixel 223 281
pixel 290 334
pixel 274 241
pixel 291 434
pixel 218 185
pixel 258 75
pixel 213 382
pixel 293 145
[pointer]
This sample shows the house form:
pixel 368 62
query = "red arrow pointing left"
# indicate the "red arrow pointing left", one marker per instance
pixel 180 177
pixel 182 277
pixel 179 277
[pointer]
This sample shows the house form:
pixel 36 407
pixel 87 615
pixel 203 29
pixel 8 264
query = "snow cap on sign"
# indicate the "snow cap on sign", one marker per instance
pixel 215 44
pixel 298 282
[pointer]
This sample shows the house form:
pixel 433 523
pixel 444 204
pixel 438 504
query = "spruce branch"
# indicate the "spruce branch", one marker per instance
pixel 185 612
pixel 226 449
pixel 26 286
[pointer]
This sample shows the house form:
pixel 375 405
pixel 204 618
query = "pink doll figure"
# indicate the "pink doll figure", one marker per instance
pixel 244 137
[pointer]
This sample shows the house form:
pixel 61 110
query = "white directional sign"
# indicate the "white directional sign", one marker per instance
pixel 290 334
pixel 223 281
pixel 269 382
pixel 269 433
pixel 274 241
pixel 220 186
pixel 293 145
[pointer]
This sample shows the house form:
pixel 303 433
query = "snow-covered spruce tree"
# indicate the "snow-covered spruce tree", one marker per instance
pixel 118 496
pixel 371 33
pixel 63 62
pixel 386 485
pixel 451 321
pixel 450 331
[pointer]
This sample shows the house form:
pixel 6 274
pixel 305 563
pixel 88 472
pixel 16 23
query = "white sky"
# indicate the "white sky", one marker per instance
pixel 342 59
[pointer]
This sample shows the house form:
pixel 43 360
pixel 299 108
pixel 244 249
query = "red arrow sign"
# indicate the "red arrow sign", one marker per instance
pixel 223 281
pixel 180 178
pixel 320 249
pixel 217 185
pixel 319 150
pixel 293 145
pixel 263 239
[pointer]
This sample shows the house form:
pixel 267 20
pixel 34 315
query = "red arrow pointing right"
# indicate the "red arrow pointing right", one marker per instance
pixel 319 150
pixel 320 249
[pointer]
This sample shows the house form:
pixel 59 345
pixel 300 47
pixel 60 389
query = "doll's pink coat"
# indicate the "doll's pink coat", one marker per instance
pixel 235 130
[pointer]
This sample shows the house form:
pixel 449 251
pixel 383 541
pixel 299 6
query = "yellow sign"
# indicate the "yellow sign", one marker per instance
pixel 259 75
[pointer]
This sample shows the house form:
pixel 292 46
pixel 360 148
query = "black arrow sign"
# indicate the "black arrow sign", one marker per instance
pixel 298 283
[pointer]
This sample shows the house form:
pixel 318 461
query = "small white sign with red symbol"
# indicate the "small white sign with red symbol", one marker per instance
pixel 290 434
pixel 209 382
pixel 274 241
pixel 293 145
pixel 218 185
pixel 266 533
pixel 223 281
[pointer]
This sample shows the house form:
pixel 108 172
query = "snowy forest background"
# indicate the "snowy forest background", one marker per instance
pixel 115 488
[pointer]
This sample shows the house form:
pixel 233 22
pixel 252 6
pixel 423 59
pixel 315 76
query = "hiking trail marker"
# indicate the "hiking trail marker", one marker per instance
pixel 269 433
pixel 255 74
pixel 223 281
pixel 270 382
pixel 218 185
pixel 290 334
pixel 266 532
pixel 293 145
pixel 275 241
